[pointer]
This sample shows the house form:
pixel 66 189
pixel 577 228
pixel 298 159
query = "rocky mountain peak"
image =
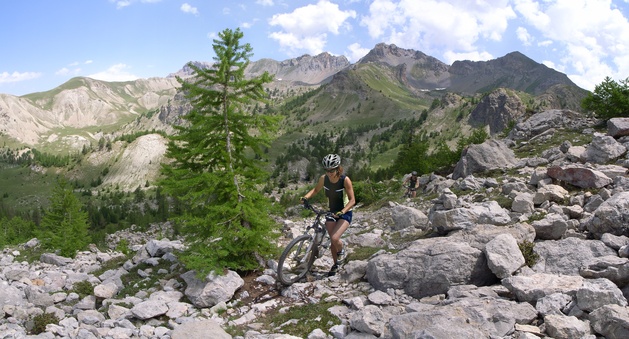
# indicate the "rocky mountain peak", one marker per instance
pixel 514 70
pixel 394 56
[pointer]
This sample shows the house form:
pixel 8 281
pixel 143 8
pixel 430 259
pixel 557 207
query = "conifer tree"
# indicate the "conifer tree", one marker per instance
pixel 215 172
pixel 610 99
pixel 64 225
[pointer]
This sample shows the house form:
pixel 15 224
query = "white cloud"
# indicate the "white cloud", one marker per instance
pixel 124 3
pixel 451 56
pixel 187 8
pixel 121 3
pixel 247 24
pixel 114 73
pixel 524 36
pixel 356 52
pixel 432 25
pixel 265 2
pixel 66 71
pixel 593 35
pixel 6 77
pixel 307 28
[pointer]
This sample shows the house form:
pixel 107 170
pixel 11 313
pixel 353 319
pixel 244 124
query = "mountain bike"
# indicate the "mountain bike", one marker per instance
pixel 299 255
pixel 409 192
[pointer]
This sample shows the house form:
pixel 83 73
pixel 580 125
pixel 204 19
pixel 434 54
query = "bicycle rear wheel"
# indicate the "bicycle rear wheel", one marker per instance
pixel 296 260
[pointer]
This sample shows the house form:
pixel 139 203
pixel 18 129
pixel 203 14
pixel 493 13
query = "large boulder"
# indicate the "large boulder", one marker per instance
pixel 478 158
pixel 488 212
pixel 611 216
pixel 567 256
pixel 213 290
pixel 462 318
pixel 429 267
pixel 580 176
pixel 618 127
pixel 604 149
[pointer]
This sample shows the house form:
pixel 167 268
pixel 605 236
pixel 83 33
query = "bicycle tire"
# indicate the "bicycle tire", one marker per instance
pixel 296 260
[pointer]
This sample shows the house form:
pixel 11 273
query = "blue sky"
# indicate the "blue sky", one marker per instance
pixel 44 43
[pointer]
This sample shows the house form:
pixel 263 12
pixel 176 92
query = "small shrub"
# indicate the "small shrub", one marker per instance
pixel 41 320
pixel 530 257
pixel 123 247
pixel 537 216
pixel 83 288
pixel 504 201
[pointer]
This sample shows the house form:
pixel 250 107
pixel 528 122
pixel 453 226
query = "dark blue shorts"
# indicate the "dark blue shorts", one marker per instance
pixel 347 216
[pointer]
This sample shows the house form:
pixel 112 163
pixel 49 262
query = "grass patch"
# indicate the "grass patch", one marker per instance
pixel 30 255
pixel 299 321
pixel 110 265
pixel 134 281
pixel 362 253
pixel 537 146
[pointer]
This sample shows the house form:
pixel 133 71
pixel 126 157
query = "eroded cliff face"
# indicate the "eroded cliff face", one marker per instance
pixel 496 110
pixel 82 103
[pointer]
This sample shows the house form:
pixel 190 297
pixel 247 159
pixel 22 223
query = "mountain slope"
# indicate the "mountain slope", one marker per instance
pixel 364 110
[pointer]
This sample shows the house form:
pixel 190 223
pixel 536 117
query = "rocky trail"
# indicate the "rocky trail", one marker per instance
pixel 527 238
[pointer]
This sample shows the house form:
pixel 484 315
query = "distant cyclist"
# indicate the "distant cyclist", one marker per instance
pixel 413 184
pixel 340 192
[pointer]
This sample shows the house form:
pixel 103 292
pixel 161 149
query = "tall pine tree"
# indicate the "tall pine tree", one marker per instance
pixel 215 172
pixel 64 226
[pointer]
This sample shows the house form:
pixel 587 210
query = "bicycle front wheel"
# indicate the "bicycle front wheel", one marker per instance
pixel 296 260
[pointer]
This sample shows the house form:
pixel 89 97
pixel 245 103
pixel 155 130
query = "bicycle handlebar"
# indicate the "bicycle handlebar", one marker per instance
pixel 308 206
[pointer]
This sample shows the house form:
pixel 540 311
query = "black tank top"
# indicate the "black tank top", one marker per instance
pixel 335 193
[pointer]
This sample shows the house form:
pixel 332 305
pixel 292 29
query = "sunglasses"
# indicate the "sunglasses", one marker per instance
pixel 331 170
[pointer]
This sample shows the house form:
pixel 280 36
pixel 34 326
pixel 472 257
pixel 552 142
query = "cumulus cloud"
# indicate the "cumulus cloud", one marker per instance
pixel 116 72
pixel 424 26
pixel 307 28
pixel 593 36
pixel 524 36
pixel 187 8
pixel 356 52
pixel 6 77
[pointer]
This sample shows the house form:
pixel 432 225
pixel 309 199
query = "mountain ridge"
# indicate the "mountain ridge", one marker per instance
pixel 389 84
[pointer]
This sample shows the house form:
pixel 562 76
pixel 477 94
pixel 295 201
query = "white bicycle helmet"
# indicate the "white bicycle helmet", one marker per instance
pixel 331 161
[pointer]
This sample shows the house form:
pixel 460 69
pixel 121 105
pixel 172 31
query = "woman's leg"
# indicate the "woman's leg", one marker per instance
pixel 336 230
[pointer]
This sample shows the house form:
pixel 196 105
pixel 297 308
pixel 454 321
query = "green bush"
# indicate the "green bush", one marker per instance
pixel 530 257
pixel 83 288
pixel 41 320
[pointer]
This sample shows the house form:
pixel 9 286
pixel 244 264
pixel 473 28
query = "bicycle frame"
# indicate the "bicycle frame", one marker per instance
pixel 320 231
pixel 299 255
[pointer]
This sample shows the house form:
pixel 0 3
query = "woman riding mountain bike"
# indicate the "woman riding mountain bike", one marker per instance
pixel 340 192
pixel 413 185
